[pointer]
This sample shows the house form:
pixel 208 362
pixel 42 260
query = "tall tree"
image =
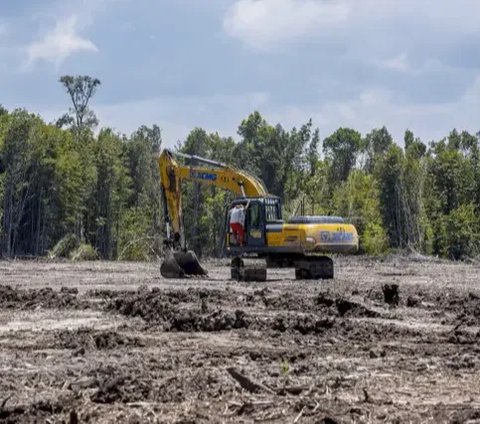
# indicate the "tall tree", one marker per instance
pixel 313 154
pixel 341 150
pixel 389 176
pixel 81 90
pixel 140 234
pixel 17 157
pixel 377 142
pixel 111 193
pixel 196 144
pixel 413 179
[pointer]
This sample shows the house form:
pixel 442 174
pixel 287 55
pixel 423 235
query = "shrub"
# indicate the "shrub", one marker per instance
pixel 84 252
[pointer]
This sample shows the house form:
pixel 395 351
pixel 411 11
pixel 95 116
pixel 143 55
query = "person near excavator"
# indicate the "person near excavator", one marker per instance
pixel 237 222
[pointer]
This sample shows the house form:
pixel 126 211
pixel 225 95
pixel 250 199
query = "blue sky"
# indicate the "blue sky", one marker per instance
pixel 209 63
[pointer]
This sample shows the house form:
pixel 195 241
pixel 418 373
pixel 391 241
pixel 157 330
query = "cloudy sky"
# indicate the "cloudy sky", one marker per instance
pixel 209 63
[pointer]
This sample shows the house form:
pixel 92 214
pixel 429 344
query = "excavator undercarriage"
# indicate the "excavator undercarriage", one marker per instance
pixel 306 268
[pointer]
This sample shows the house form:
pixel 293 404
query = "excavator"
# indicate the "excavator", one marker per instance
pixel 302 242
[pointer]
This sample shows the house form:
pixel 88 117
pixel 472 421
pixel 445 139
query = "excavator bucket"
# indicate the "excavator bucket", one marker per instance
pixel 181 265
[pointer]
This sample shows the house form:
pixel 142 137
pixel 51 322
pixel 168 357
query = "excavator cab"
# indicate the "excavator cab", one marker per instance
pixel 260 213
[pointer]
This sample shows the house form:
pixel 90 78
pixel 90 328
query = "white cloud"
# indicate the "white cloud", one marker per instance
pixel 397 63
pixel 361 27
pixel 376 107
pixel 261 23
pixel 461 14
pixel 375 97
pixel 60 43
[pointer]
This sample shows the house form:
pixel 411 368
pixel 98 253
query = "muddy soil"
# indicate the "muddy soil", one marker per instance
pixel 392 340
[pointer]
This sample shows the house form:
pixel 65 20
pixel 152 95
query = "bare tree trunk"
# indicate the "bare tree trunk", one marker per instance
pixel 43 242
pixel 7 219
pixel 399 212
pixel 108 230
pixel 81 234
pixel 39 224
pixel 19 216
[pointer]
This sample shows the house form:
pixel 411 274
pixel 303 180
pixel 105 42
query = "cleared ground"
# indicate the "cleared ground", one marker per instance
pixel 115 342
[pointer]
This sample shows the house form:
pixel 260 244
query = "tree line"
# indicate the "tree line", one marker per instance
pixel 68 190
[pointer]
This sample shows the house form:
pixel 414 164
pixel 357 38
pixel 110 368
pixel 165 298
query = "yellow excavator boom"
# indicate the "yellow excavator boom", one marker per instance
pixel 171 176
pixel 227 177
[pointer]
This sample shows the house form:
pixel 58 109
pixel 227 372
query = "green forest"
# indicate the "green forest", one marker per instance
pixel 72 188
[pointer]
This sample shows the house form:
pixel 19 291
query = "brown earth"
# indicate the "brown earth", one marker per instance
pixel 396 340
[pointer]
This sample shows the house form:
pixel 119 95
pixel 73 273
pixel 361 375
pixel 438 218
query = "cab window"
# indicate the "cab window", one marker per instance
pixel 271 212
pixel 254 212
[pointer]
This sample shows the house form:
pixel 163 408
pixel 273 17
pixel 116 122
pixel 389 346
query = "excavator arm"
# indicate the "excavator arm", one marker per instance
pixel 171 176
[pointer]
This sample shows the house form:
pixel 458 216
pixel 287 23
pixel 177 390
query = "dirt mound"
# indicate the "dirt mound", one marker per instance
pixel 189 311
pixel 350 308
pixel 178 310
pixel 465 307
pixel 469 314
pixel 413 301
pixel 104 294
pixel 37 412
pixel 118 300
pixel 345 307
pixel 46 298
pixel 154 306
pixel 89 339
pixel 324 299
pixel 324 302
pixel 194 320
pixel 9 295
pixel 446 300
pixel 306 324
pixel 391 294
pixel 286 301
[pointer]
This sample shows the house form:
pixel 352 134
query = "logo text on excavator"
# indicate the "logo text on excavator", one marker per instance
pixel 207 176
pixel 336 236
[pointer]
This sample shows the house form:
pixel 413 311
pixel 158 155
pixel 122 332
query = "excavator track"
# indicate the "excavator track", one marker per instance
pixel 251 272
pixel 314 268
pixel 307 268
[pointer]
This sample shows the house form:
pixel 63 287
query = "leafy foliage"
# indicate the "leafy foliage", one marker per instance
pixel 341 150
pixel 67 191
